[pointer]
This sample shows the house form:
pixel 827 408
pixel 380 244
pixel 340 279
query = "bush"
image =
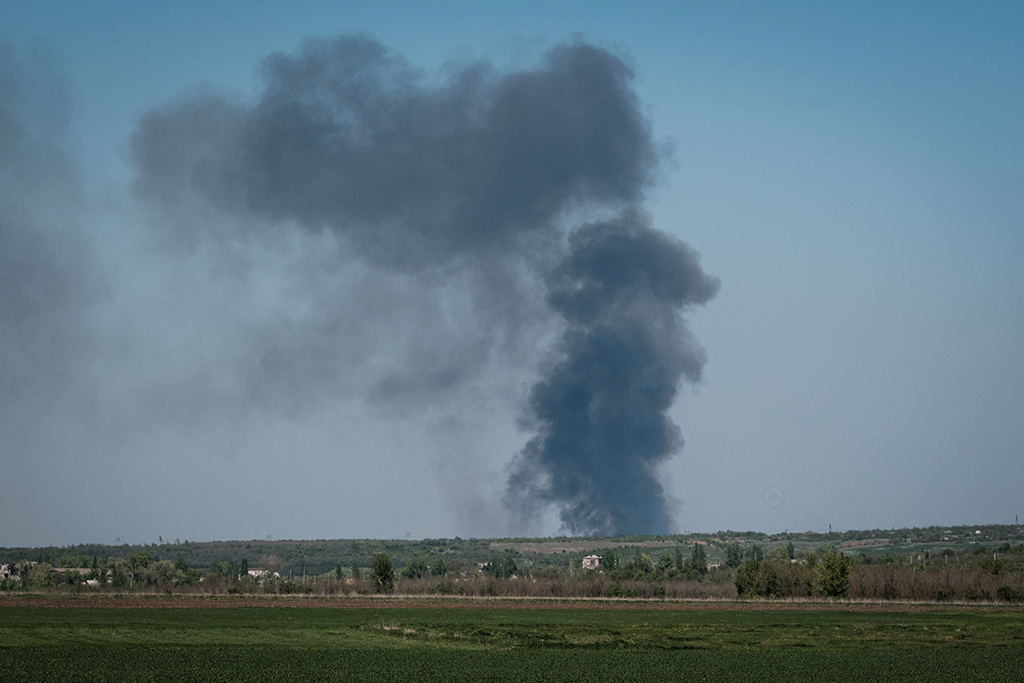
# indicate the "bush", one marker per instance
pixel 1009 593
pixel 449 587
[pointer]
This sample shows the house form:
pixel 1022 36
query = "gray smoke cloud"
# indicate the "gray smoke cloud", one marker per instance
pixel 358 228
pixel 46 279
pixel 600 411
pixel 447 194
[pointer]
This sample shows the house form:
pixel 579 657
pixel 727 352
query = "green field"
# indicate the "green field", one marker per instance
pixel 502 644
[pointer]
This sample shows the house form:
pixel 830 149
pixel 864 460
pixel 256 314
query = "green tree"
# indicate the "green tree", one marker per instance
pixel 381 573
pixel 733 556
pixel 40 575
pixel 699 559
pixel 643 562
pixel 834 574
pixel 439 568
pixel 183 576
pixel 810 559
pixel 75 561
pixel 791 551
pixel 746 578
pixel 120 574
pixel 502 567
pixel 415 568
pixel 757 579
pixel 224 568
pixel 159 573
pixel 609 560
pixel 137 564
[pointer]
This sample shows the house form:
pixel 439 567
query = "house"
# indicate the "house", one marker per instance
pixel 591 561
pixel 261 574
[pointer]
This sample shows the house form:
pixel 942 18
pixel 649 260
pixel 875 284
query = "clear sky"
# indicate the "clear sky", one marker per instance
pixel 853 174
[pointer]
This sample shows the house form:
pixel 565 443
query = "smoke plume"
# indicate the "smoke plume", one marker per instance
pixel 446 195
pixel 466 182
pixel 45 276
pixel 600 411
pixel 356 232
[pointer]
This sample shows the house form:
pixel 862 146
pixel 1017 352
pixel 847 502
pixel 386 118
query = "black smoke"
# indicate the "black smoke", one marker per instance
pixel 600 411
pixel 448 193
pixel 410 173
pixel 360 228
pixel 462 185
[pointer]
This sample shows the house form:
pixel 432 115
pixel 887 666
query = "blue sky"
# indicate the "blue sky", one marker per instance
pixel 853 174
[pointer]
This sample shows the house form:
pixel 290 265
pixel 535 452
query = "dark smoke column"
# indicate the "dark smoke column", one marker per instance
pixel 446 201
pixel 600 411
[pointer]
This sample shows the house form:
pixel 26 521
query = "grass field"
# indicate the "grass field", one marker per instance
pixel 463 643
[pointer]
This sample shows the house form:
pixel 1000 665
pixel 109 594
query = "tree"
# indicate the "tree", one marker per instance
pixel 643 562
pixel 159 573
pixel 225 568
pixel 834 574
pixel 609 560
pixel 381 573
pixel 416 568
pixel 75 561
pixel 120 574
pixel 40 575
pixel 439 568
pixel 138 562
pixel 733 556
pixel 757 579
pixel 502 567
pixel 699 559
pixel 183 576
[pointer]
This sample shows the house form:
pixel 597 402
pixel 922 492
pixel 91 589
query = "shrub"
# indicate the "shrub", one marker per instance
pixel 1009 593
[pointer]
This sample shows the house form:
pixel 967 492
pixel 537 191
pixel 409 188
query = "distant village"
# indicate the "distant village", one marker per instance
pixel 937 564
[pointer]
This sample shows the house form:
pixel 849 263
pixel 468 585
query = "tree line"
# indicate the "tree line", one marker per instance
pixel 981 574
